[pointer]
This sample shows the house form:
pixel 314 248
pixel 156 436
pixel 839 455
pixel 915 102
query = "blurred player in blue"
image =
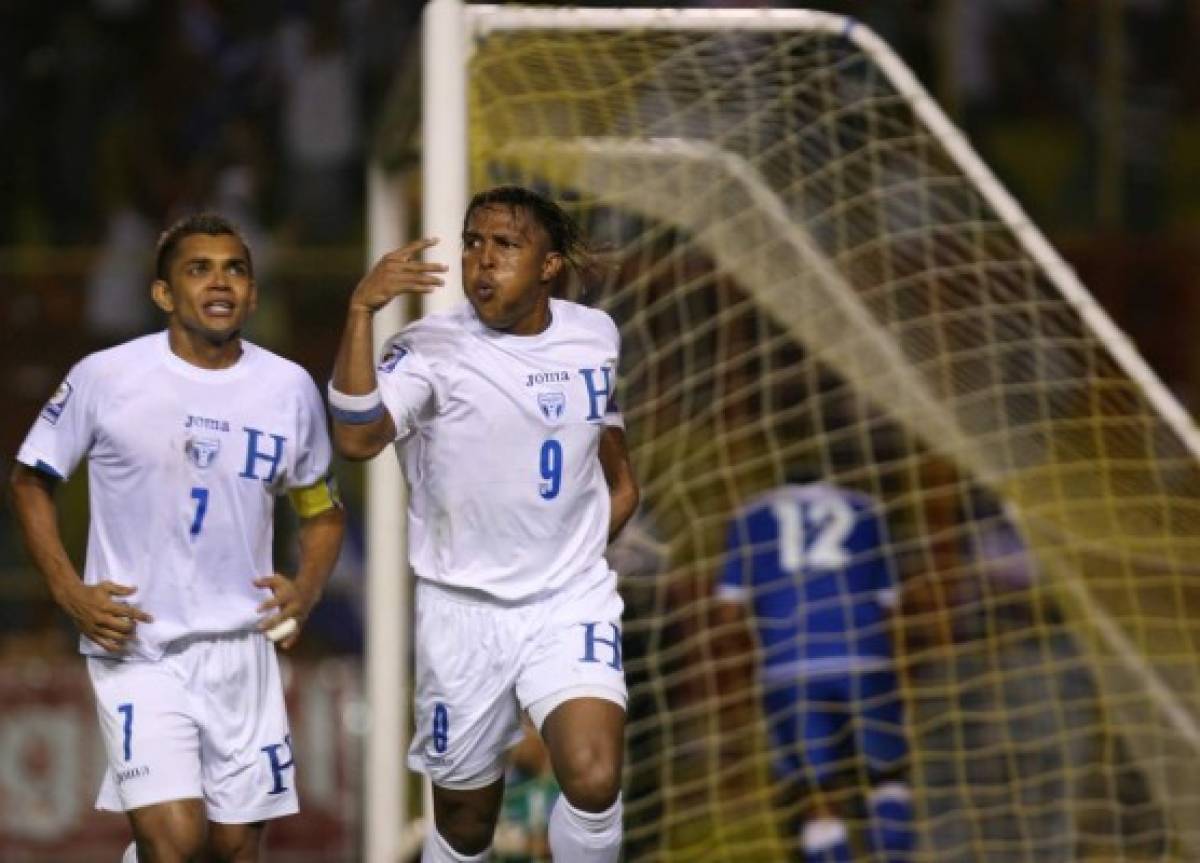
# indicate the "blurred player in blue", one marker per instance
pixel 190 436
pixel 807 567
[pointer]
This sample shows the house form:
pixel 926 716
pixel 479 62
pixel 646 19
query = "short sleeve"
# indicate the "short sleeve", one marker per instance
pixel 313 449
pixel 65 429
pixel 406 384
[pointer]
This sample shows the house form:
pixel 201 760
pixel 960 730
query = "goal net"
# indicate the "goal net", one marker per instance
pixel 810 267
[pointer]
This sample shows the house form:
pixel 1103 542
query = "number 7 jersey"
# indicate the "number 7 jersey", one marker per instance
pixel 184 465
pixel 499 438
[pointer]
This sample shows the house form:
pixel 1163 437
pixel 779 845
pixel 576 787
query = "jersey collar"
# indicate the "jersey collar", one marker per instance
pixel 182 367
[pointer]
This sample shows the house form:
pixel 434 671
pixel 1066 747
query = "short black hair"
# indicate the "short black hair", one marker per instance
pixel 565 235
pixel 213 224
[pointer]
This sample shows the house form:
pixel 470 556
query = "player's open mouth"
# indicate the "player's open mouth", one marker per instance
pixel 219 308
pixel 484 292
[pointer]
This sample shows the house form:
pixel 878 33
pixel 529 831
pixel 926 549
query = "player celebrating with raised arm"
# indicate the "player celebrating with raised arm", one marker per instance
pixel 514 449
pixel 189 435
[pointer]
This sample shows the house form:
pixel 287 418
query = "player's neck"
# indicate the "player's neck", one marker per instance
pixel 533 324
pixel 204 353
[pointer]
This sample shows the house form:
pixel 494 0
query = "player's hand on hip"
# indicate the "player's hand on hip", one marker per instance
pixel 398 272
pixel 289 601
pixel 101 615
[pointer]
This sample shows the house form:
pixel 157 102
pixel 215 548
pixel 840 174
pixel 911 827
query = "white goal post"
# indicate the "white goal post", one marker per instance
pixel 1096 532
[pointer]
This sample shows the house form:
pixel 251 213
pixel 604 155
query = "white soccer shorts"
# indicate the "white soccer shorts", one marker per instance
pixel 206 721
pixel 480 663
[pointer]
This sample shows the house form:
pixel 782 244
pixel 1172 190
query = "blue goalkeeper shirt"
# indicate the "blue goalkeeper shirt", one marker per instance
pixel 809 563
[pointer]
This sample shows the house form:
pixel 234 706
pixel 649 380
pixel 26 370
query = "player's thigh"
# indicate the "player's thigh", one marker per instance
pixel 781 712
pixel 881 734
pixel 247 759
pixel 467 817
pixel 586 741
pixel 236 843
pixel 151 737
pixel 465 708
pixel 823 724
pixel 170 831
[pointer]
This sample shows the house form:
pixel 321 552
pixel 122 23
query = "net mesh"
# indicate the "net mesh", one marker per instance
pixel 803 274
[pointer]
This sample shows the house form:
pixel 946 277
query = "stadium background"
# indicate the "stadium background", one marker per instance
pixel 122 114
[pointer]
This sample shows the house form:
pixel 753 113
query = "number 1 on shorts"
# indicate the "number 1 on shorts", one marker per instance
pixel 127 711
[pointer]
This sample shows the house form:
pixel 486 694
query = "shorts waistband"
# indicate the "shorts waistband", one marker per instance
pixel 472 597
pixel 584 581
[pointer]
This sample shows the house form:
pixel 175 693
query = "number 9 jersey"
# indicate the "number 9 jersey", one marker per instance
pixel 184 465
pixel 498 435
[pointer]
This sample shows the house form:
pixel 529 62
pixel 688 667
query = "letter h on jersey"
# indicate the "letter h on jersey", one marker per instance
pixel 590 640
pixel 278 765
pixel 254 455
pixel 596 408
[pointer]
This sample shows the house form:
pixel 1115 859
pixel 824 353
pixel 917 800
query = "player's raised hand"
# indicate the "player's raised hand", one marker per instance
pixel 100 614
pixel 288 602
pixel 398 272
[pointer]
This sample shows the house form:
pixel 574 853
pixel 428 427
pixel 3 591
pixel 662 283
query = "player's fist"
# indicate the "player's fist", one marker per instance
pixel 290 602
pixel 398 272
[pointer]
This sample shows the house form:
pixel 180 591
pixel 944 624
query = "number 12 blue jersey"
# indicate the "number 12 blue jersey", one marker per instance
pixel 810 564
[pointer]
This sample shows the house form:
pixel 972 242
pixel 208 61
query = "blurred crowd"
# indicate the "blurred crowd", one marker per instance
pixel 121 115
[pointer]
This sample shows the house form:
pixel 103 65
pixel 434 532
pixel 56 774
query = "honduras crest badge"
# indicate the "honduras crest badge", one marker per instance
pixel 202 452
pixel 553 405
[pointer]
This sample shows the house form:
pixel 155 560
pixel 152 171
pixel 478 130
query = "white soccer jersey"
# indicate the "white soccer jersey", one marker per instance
pixel 184 464
pixel 498 435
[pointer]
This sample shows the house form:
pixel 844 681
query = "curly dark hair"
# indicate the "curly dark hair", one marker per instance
pixel 198 223
pixel 565 235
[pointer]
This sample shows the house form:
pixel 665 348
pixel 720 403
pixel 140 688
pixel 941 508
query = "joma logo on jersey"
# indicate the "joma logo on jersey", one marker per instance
pixel 205 423
pixel 546 378
pixel 124 776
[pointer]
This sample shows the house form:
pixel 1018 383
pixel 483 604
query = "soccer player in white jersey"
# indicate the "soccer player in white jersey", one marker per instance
pixel 504 417
pixel 189 434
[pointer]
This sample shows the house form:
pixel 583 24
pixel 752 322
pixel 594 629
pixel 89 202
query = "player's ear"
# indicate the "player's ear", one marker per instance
pixel 552 265
pixel 160 292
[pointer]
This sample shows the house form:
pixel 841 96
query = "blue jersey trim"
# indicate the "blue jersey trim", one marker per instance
pixel 42 467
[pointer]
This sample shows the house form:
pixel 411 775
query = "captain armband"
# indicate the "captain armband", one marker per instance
pixel 315 499
pixel 355 410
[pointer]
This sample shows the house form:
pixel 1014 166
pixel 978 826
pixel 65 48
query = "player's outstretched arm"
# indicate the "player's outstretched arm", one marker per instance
pixel 96 609
pixel 361 426
pixel 295 598
pixel 618 472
